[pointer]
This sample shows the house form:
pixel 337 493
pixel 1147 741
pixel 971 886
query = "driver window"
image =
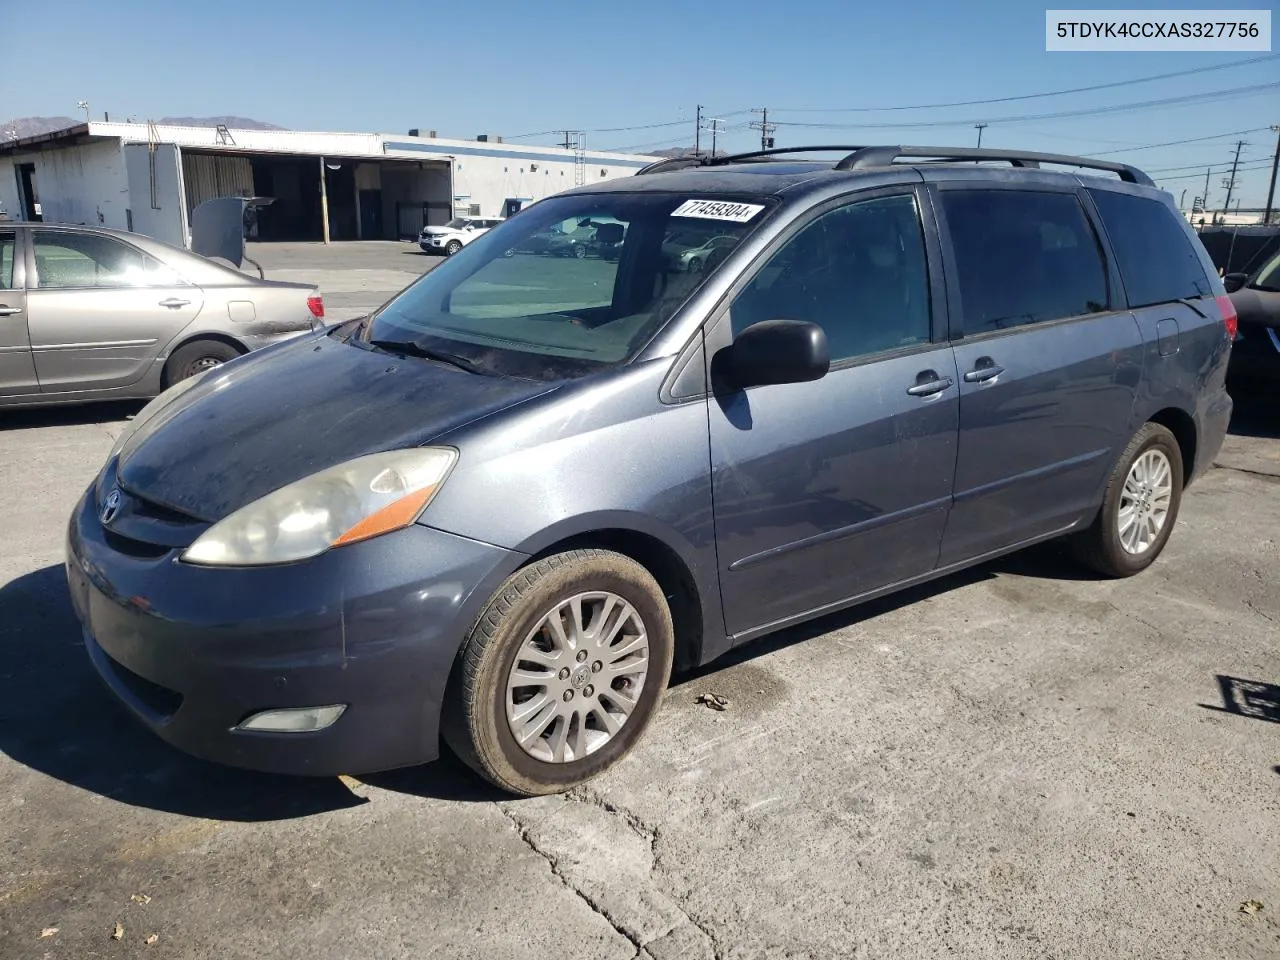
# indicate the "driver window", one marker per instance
pixel 858 271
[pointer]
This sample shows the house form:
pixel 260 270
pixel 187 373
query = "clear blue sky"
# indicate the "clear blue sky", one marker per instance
pixel 514 67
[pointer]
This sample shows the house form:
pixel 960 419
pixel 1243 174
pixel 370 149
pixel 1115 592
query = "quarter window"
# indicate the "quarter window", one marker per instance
pixel 1154 253
pixel 1023 257
pixel 69 260
pixel 8 242
pixel 858 271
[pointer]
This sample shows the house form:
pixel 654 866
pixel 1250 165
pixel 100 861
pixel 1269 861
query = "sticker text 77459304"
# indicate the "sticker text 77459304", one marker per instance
pixel 718 210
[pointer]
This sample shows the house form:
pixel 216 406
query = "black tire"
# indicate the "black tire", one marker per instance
pixel 475 722
pixel 695 265
pixel 579 251
pixel 452 247
pixel 196 357
pixel 1099 546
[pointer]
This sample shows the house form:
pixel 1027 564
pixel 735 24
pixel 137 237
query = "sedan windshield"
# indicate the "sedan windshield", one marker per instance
pixel 575 284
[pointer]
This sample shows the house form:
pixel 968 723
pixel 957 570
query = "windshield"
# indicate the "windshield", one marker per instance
pixel 1269 276
pixel 573 285
pixel 456 224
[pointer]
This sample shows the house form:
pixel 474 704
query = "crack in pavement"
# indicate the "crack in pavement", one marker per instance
pixel 1270 477
pixel 523 831
pixel 646 832
pixel 649 834
pixel 1264 616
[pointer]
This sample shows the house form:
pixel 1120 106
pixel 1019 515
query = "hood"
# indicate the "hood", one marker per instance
pixel 270 419
pixel 440 231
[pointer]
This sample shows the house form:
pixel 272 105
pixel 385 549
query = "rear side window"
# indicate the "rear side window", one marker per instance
pixel 8 241
pixel 1023 257
pixel 1157 261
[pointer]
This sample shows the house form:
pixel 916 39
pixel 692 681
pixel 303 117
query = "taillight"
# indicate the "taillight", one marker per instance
pixel 1230 319
pixel 316 306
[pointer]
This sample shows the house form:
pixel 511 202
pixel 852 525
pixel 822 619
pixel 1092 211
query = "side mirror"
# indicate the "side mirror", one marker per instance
pixel 1235 281
pixel 778 351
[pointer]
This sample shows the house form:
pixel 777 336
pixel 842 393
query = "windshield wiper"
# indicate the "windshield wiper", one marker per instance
pixel 415 349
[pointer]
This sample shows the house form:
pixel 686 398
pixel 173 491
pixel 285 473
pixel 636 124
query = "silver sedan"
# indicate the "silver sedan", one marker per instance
pixel 96 314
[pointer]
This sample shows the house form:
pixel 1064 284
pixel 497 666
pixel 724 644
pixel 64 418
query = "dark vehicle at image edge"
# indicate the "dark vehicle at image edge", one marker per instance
pixel 500 510
pixel 1255 354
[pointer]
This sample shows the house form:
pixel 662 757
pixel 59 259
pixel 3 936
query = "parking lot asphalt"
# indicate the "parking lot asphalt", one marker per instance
pixel 1017 762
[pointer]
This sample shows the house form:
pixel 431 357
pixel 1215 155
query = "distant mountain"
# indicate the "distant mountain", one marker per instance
pixel 33 126
pixel 234 123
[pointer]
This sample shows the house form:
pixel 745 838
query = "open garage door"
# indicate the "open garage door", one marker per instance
pixel 154 173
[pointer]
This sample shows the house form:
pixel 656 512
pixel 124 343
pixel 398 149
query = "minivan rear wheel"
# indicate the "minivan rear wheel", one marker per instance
pixel 562 672
pixel 1139 508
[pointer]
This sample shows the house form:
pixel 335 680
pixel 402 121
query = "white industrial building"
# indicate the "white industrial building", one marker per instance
pixel 342 186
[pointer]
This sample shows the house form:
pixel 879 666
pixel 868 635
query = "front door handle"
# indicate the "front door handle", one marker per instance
pixel 928 384
pixel 173 303
pixel 985 369
pixel 8 311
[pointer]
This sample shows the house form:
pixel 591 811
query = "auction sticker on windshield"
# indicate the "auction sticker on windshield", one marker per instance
pixel 718 210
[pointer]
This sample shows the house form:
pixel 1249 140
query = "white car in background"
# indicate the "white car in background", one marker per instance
pixel 455 234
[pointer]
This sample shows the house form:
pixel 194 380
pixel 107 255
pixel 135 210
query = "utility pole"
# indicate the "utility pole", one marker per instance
pixel 1271 190
pixel 765 127
pixel 1205 204
pixel 697 133
pixel 1182 201
pixel 979 127
pixel 324 204
pixel 1231 183
pixel 716 123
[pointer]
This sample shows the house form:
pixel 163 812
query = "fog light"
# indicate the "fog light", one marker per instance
pixel 294 720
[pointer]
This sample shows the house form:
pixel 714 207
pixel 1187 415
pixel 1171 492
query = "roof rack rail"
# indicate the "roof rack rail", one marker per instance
pixel 864 157
pixel 702 160
pixel 861 157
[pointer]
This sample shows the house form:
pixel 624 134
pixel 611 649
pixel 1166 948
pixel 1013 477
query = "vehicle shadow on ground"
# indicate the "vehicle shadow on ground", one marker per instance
pixel 57 717
pixel 1254 415
pixel 71 415
pixel 1247 698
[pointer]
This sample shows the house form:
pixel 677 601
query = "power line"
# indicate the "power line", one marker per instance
pixel 1178 143
pixel 1034 96
pixel 1206 97
pixel 1244 168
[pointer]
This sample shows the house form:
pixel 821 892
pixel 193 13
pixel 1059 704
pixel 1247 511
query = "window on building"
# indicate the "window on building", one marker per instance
pixel 1156 260
pixel 858 271
pixel 1023 257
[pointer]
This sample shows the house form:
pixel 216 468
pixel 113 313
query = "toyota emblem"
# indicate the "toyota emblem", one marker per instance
pixel 110 506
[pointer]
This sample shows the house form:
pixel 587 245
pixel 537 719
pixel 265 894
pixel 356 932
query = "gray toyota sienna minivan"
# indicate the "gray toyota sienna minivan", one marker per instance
pixel 501 509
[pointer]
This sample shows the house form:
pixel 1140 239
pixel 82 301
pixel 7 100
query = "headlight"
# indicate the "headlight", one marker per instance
pixel 352 501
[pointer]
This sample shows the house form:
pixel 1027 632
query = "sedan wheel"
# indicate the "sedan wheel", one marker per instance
pixel 197 357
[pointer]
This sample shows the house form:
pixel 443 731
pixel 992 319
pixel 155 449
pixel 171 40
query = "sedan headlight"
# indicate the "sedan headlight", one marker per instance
pixel 352 501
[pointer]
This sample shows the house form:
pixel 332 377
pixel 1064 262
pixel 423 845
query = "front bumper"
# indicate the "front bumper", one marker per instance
pixel 192 651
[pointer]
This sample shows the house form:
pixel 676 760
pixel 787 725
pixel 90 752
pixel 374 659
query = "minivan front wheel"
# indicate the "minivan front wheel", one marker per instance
pixel 562 672
pixel 1140 506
